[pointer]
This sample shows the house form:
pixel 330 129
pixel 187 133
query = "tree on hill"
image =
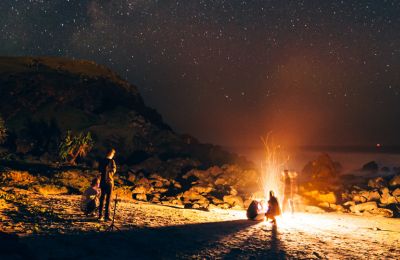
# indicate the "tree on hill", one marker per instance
pixel 74 146
pixel 3 130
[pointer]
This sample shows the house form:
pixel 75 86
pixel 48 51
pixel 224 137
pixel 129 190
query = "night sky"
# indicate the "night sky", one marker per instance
pixel 227 72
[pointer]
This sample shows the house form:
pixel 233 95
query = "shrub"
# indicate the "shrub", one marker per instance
pixel 74 146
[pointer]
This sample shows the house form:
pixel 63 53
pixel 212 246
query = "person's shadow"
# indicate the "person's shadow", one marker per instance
pixel 269 248
pixel 181 241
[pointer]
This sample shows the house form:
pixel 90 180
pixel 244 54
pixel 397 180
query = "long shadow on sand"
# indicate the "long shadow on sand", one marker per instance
pixel 142 243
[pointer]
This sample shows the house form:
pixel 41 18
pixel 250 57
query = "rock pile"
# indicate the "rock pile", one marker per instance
pixel 381 197
pixel 217 187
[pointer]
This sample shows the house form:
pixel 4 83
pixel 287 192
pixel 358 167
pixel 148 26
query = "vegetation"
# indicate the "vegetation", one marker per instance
pixel 3 131
pixel 74 146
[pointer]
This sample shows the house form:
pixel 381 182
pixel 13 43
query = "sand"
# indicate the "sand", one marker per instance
pixel 52 226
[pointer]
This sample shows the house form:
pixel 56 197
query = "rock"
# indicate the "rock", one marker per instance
pixel 177 185
pixel 158 184
pixel 160 190
pixel 367 206
pixel 143 182
pixel 321 168
pixel 370 167
pixel 123 192
pixel 349 203
pixel 233 200
pixel 374 196
pixel 201 189
pixel 359 198
pixel 224 206
pixel 192 195
pixel 313 209
pixel 395 181
pixel 131 177
pixel 176 202
pixel 382 212
pixel 195 206
pixel 233 191
pixel 216 201
pixel 220 181
pixel 140 196
pixel 377 183
pixel 386 199
pixel 139 190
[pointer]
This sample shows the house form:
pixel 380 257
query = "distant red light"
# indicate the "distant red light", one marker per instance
pixel 378 145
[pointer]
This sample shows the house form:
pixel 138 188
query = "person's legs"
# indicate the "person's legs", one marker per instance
pixel 285 203
pixel 291 206
pixel 102 197
pixel 108 199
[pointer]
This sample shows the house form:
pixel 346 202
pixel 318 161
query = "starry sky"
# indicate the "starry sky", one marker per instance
pixel 228 71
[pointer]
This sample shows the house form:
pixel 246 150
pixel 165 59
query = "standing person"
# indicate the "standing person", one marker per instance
pixel 107 168
pixel 273 208
pixel 288 192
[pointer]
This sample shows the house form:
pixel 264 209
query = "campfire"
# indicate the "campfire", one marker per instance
pixel 272 167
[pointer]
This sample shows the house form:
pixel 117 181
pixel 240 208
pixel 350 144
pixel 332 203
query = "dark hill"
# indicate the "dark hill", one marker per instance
pixel 42 98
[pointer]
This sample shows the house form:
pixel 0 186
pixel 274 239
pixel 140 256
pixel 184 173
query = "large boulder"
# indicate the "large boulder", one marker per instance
pixel 323 168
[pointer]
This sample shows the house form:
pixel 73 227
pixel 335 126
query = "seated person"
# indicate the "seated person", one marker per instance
pixel 273 208
pixel 256 210
pixel 90 198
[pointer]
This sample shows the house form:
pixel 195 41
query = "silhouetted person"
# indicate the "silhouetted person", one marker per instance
pixel 256 210
pixel 107 168
pixel 288 193
pixel 273 208
pixel 90 198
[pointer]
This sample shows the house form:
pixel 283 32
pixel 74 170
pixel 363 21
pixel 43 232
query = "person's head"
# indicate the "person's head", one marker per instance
pixel 111 153
pixel 271 194
pixel 95 182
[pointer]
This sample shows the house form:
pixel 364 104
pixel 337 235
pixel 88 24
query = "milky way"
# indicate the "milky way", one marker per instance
pixel 314 72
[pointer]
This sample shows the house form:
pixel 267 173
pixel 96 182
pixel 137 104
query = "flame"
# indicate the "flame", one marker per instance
pixel 272 168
